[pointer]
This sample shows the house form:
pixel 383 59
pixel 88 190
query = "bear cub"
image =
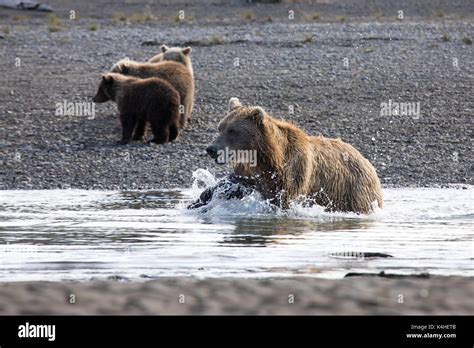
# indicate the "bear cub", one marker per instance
pixel 174 54
pixel 140 102
pixel 172 65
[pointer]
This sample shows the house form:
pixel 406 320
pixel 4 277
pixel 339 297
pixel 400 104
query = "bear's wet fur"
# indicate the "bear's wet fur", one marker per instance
pixel 293 165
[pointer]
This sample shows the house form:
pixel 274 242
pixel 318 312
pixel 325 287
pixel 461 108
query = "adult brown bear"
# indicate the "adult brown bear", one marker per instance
pixel 290 164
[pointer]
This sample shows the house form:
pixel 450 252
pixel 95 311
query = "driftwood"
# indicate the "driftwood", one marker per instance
pixel 25 5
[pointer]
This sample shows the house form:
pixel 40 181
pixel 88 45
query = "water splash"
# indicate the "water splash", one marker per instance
pixel 255 205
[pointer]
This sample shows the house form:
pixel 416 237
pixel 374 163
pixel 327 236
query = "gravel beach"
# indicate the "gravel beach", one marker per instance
pixel 328 70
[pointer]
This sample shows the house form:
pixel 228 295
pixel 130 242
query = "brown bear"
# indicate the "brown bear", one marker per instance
pixel 290 164
pixel 176 73
pixel 142 101
pixel 176 54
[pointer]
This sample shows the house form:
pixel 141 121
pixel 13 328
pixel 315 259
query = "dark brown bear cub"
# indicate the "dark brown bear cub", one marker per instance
pixel 142 101
pixel 173 65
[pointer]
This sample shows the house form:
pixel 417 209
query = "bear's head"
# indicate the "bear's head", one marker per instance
pixel 242 135
pixel 175 54
pixel 121 67
pixel 108 87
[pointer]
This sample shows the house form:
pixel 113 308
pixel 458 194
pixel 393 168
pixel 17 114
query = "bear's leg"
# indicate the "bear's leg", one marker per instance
pixel 183 122
pixel 173 132
pixel 184 113
pixel 128 124
pixel 322 199
pixel 183 118
pixel 189 109
pixel 160 133
pixel 139 130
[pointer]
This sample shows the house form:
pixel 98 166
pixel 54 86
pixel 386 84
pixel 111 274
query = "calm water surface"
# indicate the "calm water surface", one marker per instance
pixel 80 235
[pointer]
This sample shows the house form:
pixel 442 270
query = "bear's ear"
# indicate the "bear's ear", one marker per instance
pixel 107 78
pixel 234 103
pixel 186 51
pixel 118 67
pixel 257 114
pixel 164 48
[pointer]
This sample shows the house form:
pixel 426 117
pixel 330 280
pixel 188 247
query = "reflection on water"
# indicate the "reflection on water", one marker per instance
pixel 78 234
pixel 270 230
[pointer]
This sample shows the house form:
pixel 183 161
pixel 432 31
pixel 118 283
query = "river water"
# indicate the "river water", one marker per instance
pixel 139 235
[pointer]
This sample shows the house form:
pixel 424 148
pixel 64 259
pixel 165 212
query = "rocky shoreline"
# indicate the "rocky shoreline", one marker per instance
pixel 328 74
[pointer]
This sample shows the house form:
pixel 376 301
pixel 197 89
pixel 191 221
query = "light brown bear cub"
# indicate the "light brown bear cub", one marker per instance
pixel 142 101
pixel 176 54
pixel 291 164
pixel 172 65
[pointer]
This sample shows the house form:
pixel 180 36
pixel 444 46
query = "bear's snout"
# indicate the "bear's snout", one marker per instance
pixel 100 97
pixel 212 151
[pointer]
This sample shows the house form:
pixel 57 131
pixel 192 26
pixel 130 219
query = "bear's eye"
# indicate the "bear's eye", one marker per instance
pixel 232 131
